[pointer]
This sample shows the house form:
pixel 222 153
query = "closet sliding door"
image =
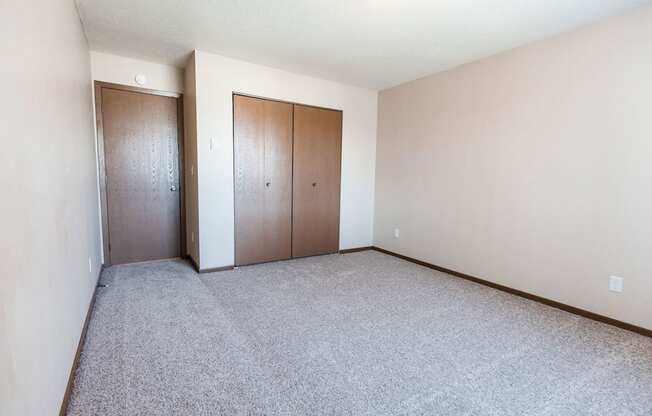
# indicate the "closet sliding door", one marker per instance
pixel 262 152
pixel 316 183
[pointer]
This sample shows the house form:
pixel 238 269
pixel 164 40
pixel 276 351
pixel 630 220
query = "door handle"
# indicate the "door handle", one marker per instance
pixel 268 184
pixel 173 188
pixel 314 184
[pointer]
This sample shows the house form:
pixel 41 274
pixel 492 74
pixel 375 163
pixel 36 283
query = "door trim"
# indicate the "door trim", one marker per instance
pixel 101 161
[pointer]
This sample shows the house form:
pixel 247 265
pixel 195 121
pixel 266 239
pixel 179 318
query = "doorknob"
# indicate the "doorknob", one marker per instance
pixel 268 184
pixel 314 184
pixel 173 188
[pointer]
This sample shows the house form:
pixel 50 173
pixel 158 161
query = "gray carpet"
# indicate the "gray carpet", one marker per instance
pixel 355 334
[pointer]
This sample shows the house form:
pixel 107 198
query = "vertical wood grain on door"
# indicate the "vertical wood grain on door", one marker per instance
pixel 141 151
pixel 262 143
pixel 316 181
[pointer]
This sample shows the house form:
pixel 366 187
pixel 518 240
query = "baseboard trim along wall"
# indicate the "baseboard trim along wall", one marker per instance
pixel 516 292
pixel 355 250
pixel 211 270
pixel 554 304
pixel 80 346
pixel 507 289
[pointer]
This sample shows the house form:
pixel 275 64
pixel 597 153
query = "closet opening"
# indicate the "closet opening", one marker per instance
pixel 287 173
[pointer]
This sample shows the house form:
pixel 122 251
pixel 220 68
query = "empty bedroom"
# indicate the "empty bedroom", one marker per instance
pixel 372 207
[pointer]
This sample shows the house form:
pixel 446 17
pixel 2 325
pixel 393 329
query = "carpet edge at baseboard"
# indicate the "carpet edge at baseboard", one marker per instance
pixel 80 346
pixel 355 250
pixel 210 270
pixel 568 308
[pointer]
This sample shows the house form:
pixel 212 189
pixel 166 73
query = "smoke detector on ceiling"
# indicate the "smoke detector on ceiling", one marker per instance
pixel 140 79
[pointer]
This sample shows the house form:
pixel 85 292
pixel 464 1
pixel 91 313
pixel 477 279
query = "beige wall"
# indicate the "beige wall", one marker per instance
pixel 48 218
pixel 121 70
pixel 532 168
pixel 190 161
pixel 217 78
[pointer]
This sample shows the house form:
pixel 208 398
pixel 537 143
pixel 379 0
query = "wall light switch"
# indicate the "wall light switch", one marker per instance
pixel 616 284
pixel 397 233
pixel 212 144
pixel 192 236
pixel 90 265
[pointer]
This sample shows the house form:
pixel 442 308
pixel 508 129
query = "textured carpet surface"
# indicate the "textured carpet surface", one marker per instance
pixel 355 334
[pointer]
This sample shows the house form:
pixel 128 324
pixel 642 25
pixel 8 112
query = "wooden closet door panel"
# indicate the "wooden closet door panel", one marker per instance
pixel 316 178
pixel 263 180
pixel 141 150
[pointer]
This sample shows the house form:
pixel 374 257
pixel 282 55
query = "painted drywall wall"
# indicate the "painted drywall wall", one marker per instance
pixel 217 78
pixel 49 221
pixel 190 161
pixel 531 168
pixel 122 70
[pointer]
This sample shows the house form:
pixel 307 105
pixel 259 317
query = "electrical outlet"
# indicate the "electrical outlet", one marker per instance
pixel 616 284
pixel 397 233
pixel 90 266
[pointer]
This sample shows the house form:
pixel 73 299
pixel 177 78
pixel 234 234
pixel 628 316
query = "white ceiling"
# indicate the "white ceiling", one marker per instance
pixel 368 43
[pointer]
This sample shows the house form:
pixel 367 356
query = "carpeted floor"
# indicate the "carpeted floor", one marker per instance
pixel 355 334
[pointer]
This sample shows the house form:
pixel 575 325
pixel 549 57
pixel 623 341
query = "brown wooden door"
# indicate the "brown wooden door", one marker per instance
pixel 316 190
pixel 141 150
pixel 262 144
